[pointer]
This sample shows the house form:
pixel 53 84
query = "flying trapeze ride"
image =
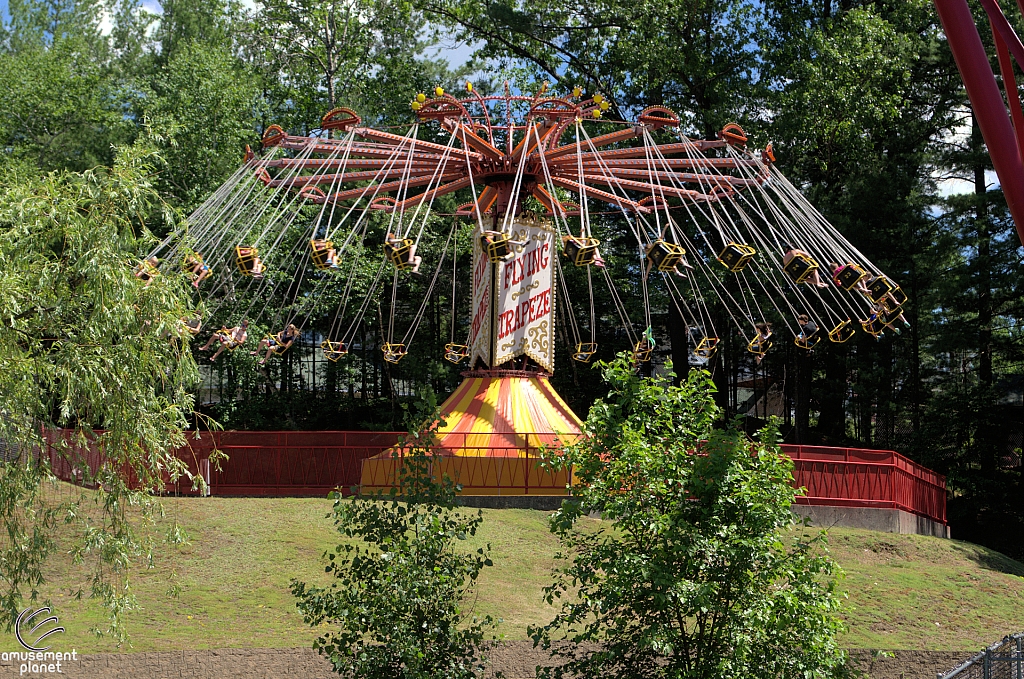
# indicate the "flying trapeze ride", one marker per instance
pixel 699 212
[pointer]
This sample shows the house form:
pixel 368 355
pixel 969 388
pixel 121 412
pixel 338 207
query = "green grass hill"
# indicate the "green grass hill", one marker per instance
pixel 904 591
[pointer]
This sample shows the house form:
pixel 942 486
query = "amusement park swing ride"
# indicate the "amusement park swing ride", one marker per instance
pixel 698 211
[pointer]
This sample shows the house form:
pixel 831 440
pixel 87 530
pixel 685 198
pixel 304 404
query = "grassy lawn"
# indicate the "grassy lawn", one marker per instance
pixel 234 574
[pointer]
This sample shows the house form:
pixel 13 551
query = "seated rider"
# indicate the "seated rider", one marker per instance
pixel 229 338
pixel 278 342
pixel 192 325
pixel 789 253
pixel 836 269
pixel 807 327
pixel 200 270
pixel 147 270
pixel 759 345
pixel 414 259
pixel 332 253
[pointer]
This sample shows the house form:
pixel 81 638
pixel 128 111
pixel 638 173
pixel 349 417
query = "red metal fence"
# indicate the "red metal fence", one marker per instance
pixel 290 463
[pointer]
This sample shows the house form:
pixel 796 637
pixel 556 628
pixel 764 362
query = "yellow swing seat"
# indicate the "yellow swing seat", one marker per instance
pixel 399 254
pixel 455 353
pixel 333 350
pixel 225 334
pixel 894 307
pixel 498 248
pixel 758 346
pixel 736 256
pixel 850 275
pixel 807 343
pixel 664 256
pixel 393 353
pixel 584 352
pixel 879 289
pixel 642 352
pixel 581 251
pixel 841 332
pixel 319 250
pixel 874 326
pixel 706 348
pixel 245 258
pixel 278 347
pixel 800 268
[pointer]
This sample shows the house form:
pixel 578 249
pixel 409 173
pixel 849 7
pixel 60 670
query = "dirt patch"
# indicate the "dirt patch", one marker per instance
pixel 516 659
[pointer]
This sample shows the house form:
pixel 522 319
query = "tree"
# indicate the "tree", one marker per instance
pixel 87 346
pixel 398 603
pixel 692 578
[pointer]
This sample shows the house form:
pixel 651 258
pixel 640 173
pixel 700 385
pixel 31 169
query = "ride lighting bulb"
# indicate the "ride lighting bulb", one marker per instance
pixel 439 91
pixel 597 113
pixel 598 98
pixel 416 106
pixel 605 105
pixel 421 97
pixel 577 92
pixel 469 86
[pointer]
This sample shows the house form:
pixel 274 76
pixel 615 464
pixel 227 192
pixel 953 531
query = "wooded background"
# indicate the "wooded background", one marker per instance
pixel 862 101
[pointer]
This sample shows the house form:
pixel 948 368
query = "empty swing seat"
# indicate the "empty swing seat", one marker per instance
pixel 320 248
pixel 849 276
pixel 584 352
pixel 800 268
pixel 706 348
pixel 245 258
pixel 735 256
pixel 333 350
pixel 399 254
pixel 581 251
pixel 498 248
pixel 455 353
pixel 393 353
pixel 664 256
pixel 841 332
pixel 879 288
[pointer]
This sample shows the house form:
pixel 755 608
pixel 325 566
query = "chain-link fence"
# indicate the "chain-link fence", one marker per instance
pixel 1002 660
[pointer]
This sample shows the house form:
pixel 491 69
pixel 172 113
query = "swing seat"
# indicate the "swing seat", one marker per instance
pixel 807 343
pixel 146 271
pixel 399 254
pixel 333 350
pixel 225 336
pixel 890 315
pixel 706 348
pixel 498 248
pixel 800 268
pixel 278 347
pixel 581 250
pixel 894 308
pixel 642 352
pixel 584 352
pixel 318 254
pixel 664 256
pixel 735 256
pixel 758 346
pixel 191 261
pixel 850 275
pixel 879 288
pixel 874 326
pixel 455 353
pixel 245 258
pixel 393 353
pixel 841 332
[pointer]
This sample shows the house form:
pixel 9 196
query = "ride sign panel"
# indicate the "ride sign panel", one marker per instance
pixel 525 304
pixel 480 325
